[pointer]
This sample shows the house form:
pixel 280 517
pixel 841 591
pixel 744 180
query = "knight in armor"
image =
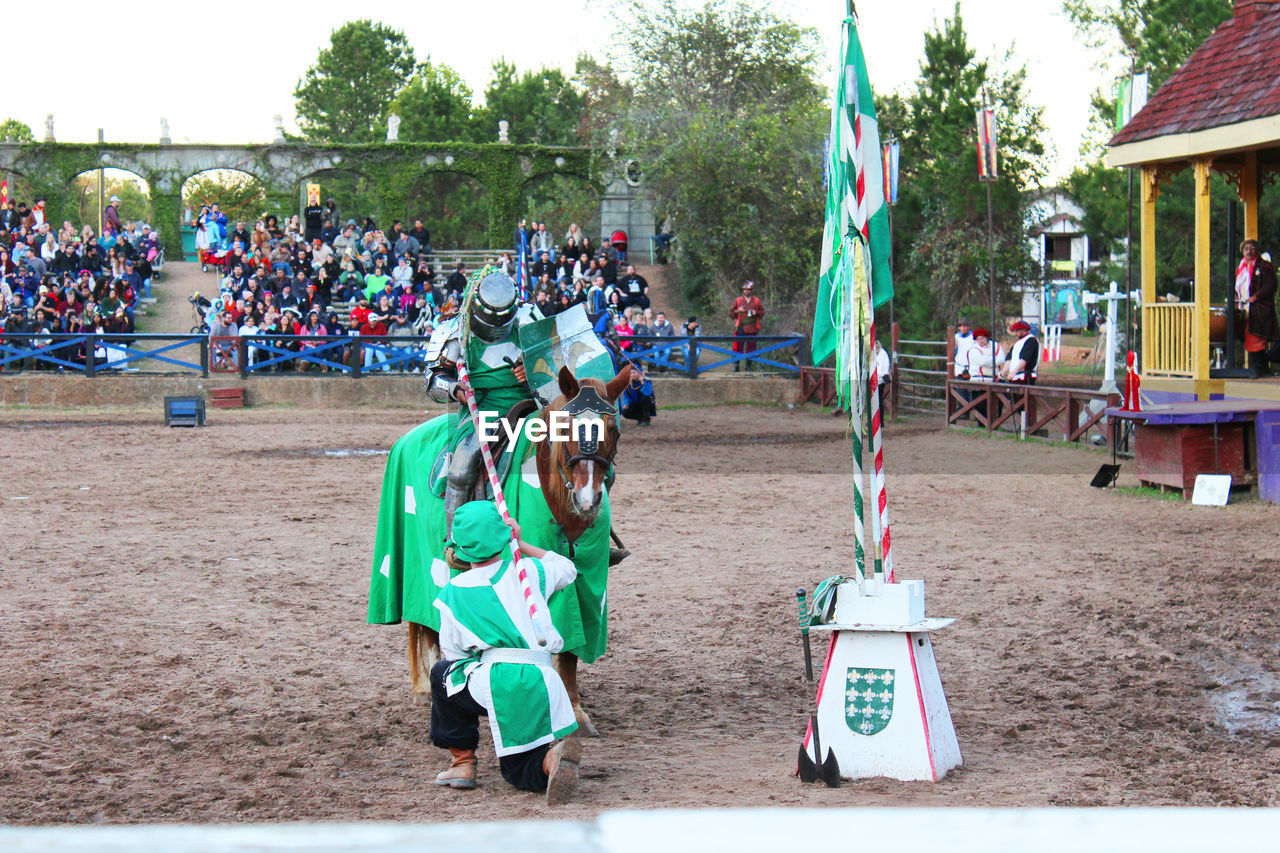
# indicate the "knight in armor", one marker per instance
pixel 494 362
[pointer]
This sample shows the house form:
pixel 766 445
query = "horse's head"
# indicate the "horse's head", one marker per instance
pixel 585 460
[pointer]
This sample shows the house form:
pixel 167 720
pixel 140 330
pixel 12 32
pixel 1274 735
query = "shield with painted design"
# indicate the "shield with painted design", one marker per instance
pixel 868 699
pixel 563 340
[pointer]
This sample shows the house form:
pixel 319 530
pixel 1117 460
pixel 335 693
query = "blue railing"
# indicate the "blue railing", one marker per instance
pixel 353 355
pixel 91 353
pixel 350 354
pixel 689 355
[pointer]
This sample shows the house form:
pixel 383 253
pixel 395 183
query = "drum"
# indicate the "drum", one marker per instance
pixel 1218 324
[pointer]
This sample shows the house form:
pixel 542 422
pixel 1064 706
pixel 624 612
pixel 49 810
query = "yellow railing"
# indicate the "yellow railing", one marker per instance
pixel 1167 344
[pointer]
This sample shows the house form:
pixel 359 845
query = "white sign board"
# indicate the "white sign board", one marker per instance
pixel 1211 490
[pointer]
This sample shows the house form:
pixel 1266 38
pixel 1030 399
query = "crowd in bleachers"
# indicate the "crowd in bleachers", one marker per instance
pixel 309 277
pixel 63 280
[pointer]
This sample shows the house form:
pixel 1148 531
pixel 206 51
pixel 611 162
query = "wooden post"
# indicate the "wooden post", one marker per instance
pixel 951 352
pixel 1249 194
pixel 1150 192
pixel 1200 320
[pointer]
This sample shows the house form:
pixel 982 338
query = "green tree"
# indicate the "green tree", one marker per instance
pixel 12 130
pixel 435 106
pixel 726 121
pixel 238 195
pixel 1157 36
pixel 542 107
pixel 135 202
pixel 346 95
pixel 940 222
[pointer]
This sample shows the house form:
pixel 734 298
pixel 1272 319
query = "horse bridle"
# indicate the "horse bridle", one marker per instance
pixel 589 401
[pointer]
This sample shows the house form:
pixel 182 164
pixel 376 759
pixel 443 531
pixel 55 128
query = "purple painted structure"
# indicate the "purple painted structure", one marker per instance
pixel 1267 430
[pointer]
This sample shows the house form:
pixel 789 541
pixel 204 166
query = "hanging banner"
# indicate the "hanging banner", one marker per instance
pixel 986 120
pixel 890 158
pixel 4 193
pixel 1131 97
pixel 313 195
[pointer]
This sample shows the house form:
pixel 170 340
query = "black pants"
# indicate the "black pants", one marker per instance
pixel 455 722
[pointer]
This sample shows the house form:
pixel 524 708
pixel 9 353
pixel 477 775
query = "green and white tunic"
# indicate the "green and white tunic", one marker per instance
pixel 486 628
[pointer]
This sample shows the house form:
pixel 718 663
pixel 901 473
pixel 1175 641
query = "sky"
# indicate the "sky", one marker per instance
pixel 219 72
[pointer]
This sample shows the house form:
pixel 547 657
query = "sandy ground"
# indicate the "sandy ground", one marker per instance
pixel 183 621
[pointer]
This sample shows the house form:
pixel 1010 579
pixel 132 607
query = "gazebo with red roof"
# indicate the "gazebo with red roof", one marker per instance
pixel 1220 111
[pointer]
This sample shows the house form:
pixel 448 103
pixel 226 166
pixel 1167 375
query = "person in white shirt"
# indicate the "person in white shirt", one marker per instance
pixel 984 357
pixel 1024 358
pixel 963 340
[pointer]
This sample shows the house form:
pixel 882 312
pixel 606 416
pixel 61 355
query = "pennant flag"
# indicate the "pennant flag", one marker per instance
pixel 1131 96
pixel 891 152
pixel 986 119
pixel 856 209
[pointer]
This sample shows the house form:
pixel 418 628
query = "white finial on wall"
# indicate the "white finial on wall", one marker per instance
pixel 393 128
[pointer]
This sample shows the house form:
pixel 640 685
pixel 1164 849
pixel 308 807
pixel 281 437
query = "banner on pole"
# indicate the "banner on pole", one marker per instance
pixel 1131 96
pixel 313 194
pixel 986 119
pixel 890 158
pixel 4 193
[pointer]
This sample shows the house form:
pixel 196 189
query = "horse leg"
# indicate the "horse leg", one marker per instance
pixel 567 666
pixel 424 653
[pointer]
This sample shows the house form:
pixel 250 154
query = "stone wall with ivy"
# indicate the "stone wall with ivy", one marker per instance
pixel 503 170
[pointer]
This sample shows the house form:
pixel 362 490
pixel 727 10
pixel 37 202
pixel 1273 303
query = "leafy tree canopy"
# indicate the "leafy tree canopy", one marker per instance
pixel 345 96
pixel 726 119
pixel 542 107
pixel 940 222
pixel 13 130
pixel 435 106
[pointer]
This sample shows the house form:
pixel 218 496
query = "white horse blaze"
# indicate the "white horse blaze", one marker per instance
pixel 586 495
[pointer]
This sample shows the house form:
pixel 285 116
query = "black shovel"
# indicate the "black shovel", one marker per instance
pixel 828 771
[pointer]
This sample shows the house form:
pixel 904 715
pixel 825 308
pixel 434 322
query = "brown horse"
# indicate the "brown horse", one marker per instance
pixel 572 482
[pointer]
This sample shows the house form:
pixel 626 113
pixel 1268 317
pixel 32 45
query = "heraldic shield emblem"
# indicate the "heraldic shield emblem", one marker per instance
pixel 868 699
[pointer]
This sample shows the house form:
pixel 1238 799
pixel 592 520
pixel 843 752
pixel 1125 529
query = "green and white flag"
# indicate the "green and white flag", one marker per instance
pixel 856 211
pixel 563 340
pixel 1131 97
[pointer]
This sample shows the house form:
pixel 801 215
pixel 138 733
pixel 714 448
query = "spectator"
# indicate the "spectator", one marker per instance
pixel 312 331
pixel 223 354
pixel 456 283
pixel 400 328
pixel 423 237
pixel 406 247
pixel 747 314
pixel 635 289
pixel 984 357
pixel 963 340
pixel 625 330
pixel 402 275
pixel 542 242
pixel 374 326
pixel 314 215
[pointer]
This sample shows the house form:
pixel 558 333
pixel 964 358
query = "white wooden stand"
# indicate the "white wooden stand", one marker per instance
pixel 881 709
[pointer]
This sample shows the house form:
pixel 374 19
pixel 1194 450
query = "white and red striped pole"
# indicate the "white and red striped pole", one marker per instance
pixel 880 514
pixel 526 586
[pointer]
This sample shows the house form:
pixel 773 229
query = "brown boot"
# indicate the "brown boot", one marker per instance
pixel 561 766
pixel 461 772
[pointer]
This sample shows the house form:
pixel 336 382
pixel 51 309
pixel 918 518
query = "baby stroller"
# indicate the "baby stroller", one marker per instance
pixel 212 257
pixel 200 307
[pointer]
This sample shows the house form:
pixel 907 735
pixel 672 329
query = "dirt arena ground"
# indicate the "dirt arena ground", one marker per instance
pixel 183 623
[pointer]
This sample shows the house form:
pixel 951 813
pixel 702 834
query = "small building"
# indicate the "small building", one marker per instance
pixel 1219 112
pixel 1062 249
